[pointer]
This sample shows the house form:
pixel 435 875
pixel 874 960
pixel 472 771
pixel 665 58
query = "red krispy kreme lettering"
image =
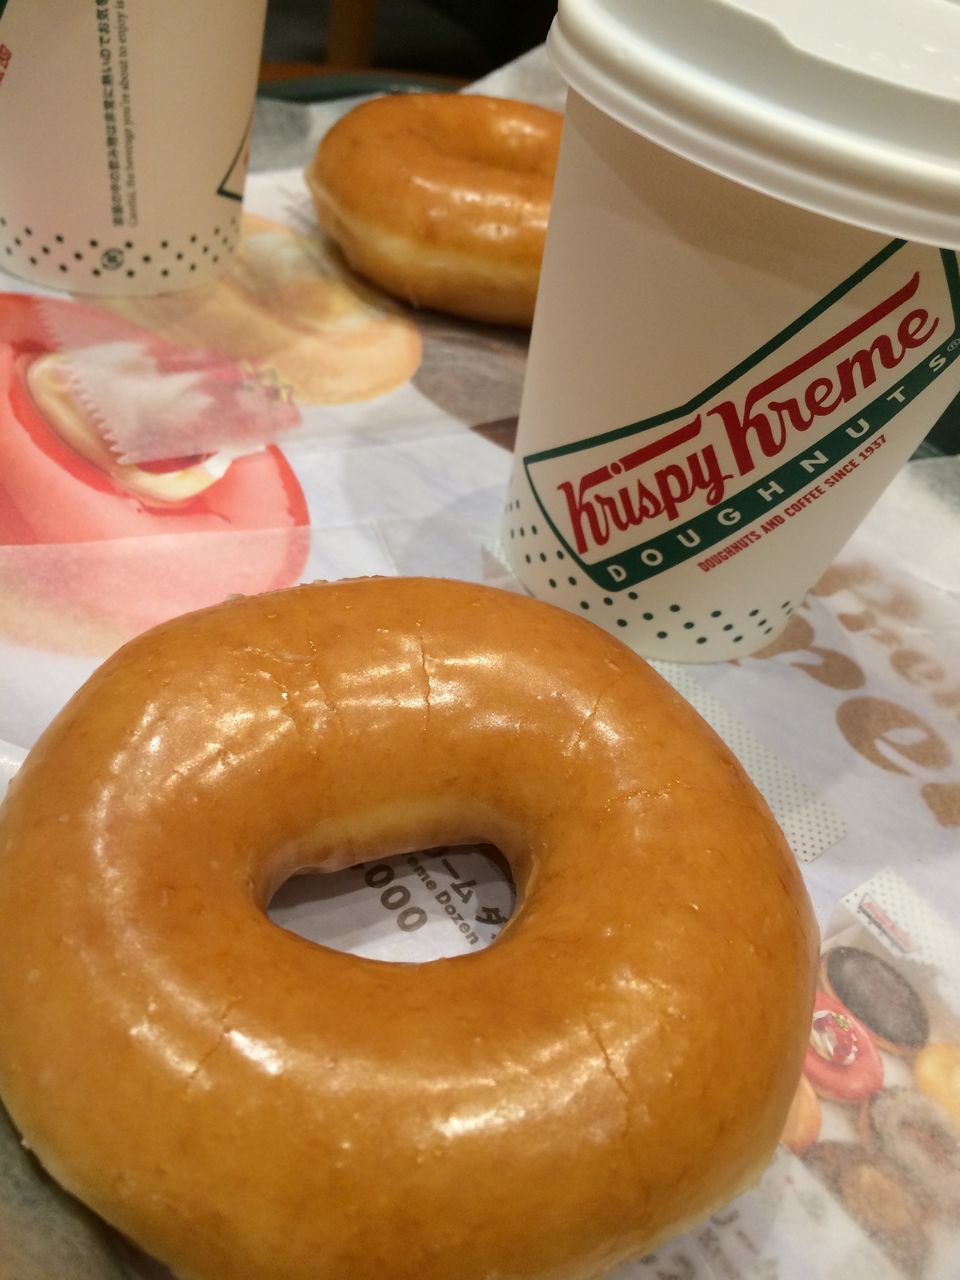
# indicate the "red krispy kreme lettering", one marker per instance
pixel 594 515
pixel 770 420
pixel 667 473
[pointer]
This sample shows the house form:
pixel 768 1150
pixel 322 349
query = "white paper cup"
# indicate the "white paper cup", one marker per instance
pixel 721 382
pixel 124 129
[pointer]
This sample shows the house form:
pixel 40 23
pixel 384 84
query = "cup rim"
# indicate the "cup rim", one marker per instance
pixel 730 90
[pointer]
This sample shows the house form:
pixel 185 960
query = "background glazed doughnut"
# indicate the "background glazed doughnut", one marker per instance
pixel 245 1103
pixel 442 199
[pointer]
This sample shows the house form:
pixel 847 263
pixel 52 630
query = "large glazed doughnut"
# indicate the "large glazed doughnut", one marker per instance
pixel 247 1104
pixel 442 199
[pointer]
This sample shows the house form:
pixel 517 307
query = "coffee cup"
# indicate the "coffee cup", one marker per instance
pixel 747 318
pixel 124 130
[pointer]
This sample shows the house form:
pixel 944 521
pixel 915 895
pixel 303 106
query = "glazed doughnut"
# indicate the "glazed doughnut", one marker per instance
pixel 442 199
pixel 243 1102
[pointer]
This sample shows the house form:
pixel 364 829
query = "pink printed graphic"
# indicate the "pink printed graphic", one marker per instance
pixel 130 467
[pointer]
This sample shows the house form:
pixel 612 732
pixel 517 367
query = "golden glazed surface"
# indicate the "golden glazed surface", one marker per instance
pixel 442 199
pixel 247 1104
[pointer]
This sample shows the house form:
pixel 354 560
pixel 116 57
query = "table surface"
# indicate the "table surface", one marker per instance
pixel 848 722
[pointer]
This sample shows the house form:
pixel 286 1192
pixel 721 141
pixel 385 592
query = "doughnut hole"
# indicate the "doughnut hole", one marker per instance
pixel 408 908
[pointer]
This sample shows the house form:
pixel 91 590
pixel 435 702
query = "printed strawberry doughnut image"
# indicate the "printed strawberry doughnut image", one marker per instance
pixel 138 479
pixel 842 1062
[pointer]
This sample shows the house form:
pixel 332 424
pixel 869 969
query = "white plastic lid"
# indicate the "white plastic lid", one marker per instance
pixel 850 108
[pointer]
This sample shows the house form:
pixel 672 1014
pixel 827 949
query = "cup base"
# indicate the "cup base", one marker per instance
pixel 124 263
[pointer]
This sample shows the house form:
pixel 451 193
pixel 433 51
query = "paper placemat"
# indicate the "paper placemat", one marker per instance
pixel 848 727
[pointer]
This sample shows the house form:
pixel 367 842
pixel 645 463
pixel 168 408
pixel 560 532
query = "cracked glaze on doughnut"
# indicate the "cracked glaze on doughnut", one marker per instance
pixel 245 1103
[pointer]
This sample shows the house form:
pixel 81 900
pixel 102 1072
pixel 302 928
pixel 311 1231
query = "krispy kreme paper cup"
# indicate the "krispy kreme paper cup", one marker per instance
pixel 123 140
pixel 746 321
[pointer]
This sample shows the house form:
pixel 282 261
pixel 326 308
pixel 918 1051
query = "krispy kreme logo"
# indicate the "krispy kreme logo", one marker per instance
pixel 631 502
pixel 881 920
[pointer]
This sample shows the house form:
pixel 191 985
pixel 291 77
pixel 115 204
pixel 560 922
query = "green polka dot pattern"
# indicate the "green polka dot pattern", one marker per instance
pixel 708 631
pixel 44 253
